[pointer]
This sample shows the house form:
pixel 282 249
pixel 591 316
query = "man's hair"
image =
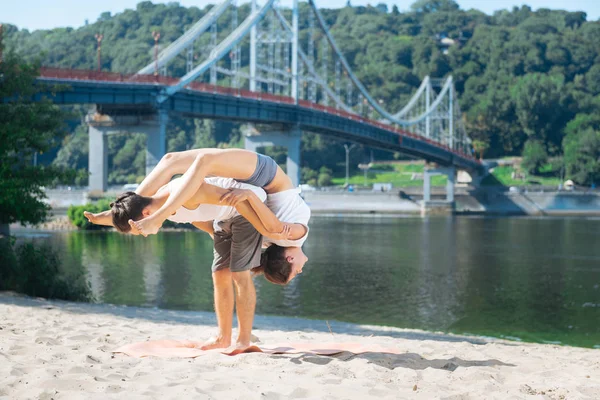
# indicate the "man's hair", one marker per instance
pixel 129 205
pixel 274 265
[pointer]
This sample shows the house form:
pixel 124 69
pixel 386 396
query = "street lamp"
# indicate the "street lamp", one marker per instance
pixel 156 36
pixel 99 38
pixel 348 149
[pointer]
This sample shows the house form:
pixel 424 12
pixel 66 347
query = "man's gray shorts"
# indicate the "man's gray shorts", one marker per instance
pixel 237 245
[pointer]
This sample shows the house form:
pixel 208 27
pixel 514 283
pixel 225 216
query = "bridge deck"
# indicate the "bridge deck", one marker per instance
pixel 209 101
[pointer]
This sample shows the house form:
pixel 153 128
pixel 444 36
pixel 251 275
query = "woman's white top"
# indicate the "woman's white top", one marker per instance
pixel 210 212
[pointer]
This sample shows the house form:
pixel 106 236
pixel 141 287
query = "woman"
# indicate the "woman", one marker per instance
pixel 284 258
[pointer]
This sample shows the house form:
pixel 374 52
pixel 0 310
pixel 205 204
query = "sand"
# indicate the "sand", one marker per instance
pixel 61 350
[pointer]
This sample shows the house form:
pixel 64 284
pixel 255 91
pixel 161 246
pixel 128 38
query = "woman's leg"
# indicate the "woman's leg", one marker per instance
pixel 237 164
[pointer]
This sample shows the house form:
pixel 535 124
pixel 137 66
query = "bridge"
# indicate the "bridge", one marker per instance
pixel 288 87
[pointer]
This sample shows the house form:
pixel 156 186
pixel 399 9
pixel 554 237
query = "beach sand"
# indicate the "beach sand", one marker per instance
pixel 61 350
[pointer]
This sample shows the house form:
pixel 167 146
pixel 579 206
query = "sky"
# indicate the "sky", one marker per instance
pixel 37 14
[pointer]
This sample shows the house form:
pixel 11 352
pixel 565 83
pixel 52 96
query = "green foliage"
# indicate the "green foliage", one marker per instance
pixel 430 6
pixel 35 270
pixel 324 178
pixel 480 146
pixel 27 128
pixel 505 175
pixel 582 156
pixel 309 175
pixel 520 74
pixel 534 156
pixel 75 214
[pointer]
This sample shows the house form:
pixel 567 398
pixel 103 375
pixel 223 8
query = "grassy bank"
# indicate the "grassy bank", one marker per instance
pixel 411 174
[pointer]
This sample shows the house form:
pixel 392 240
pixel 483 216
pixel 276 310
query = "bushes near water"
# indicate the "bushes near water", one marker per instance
pixel 75 213
pixel 35 271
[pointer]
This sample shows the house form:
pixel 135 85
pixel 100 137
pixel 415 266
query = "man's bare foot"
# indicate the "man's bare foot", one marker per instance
pixel 242 347
pixel 216 343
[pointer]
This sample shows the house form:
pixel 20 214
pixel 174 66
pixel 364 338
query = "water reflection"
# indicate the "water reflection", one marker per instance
pixel 536 279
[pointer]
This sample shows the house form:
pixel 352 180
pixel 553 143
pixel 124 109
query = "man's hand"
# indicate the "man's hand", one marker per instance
pixel 235 196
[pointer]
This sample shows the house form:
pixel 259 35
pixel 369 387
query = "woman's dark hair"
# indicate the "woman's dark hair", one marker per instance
pixel 129 205
pixel 274 265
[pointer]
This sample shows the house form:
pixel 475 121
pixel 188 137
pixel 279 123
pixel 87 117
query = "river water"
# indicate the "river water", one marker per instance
pixel 533 279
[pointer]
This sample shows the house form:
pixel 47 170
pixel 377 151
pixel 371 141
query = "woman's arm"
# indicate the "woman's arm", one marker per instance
pixel 170 164
pixel 103 218
pixel 191 181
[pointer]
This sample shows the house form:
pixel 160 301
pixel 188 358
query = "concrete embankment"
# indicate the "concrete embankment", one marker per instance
pixel 486 200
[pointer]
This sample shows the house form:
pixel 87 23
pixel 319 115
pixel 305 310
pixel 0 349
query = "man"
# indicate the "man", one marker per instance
pixel 237 246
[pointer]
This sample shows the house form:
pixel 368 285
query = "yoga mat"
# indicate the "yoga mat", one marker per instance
pixel 190 349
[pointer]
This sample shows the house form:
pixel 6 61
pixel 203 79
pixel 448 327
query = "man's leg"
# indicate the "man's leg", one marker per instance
pixel 223 293
pixel 245 305
pixel 223 287
pixel 246 244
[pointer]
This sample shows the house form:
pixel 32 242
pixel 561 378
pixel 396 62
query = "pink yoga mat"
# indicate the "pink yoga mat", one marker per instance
pixel 189 349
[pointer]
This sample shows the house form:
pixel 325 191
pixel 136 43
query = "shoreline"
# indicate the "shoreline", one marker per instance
pixel 60 223
pixel 62 350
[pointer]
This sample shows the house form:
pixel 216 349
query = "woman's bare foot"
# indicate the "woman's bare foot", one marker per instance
pixel 216 343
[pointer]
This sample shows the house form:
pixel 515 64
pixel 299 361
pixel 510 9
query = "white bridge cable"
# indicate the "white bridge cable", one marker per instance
pixel 361 87
pixel 221 50
pixel 311 69
pixel 185 40
pixel 413 99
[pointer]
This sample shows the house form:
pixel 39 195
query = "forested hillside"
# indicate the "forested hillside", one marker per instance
pixel 528 82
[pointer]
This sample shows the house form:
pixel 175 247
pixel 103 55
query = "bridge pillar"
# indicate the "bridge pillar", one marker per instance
pixel 442 207
pixel 156 144
pixel 103 125
pixel 98 158
pixel 288 137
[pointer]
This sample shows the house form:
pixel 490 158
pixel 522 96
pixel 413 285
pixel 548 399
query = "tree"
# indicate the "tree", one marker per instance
pixel 534 156
pixel 26 128
pixel 582 156
pixel 74 155
pixel 324 177
pixel 520 74
pixel 540 106
pixel 429 6
pixel 480 146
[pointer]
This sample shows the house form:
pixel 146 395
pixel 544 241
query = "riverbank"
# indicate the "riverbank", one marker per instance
pixel 485 201
pixel 62 350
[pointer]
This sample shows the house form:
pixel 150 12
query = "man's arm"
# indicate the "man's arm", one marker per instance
pixel 267 218
pixel 246 211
